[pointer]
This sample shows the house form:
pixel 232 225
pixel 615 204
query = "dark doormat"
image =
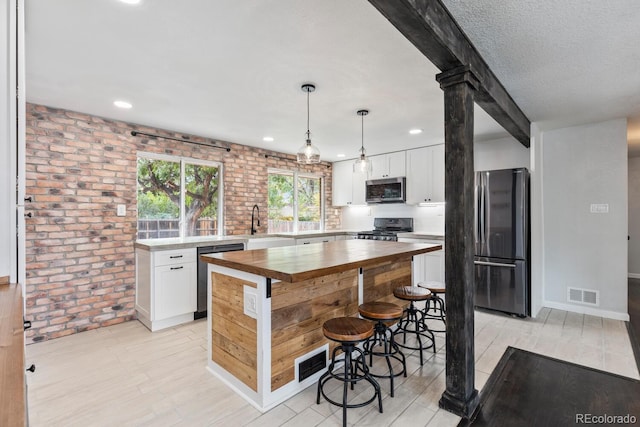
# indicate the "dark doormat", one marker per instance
pixel 527 389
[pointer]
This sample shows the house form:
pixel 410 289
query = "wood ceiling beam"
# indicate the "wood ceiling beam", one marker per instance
pixel 431 28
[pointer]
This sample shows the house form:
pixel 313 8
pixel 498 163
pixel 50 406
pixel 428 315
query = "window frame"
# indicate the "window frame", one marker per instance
pixel 182 226
pixel 296 174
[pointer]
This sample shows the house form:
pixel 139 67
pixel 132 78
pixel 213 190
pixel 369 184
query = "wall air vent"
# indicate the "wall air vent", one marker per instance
pixel 313 364
pixel 583 296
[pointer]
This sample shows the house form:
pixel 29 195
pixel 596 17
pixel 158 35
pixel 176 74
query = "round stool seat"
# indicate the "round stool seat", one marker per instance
pixel 435 308
pixel 434 287
pixel 411 293
pixel 380 310
pixel 347 329
pixel 382 344
pixel 348 332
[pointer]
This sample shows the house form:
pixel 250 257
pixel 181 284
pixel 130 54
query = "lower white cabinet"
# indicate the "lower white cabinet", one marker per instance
pixel 166 287
pixel 309 240
pixel 429 266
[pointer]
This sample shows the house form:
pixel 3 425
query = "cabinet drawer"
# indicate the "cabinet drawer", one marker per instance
pixel 178 256
pixel 307 241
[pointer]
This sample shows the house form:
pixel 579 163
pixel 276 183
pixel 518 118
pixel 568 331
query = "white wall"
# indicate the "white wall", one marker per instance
pixel 584 165
pixel 426 219
pixel 537 220
pixel 634 217
pixel 504 153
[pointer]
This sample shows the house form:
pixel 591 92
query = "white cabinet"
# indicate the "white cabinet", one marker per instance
pixel 166 287
pixel 429 266
pixel 309 240
pixel 390 165
pixel 425 175
pixel 348 187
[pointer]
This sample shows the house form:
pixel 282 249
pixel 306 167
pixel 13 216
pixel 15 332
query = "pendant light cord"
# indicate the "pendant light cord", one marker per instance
pixel 362 135
pixel 308 131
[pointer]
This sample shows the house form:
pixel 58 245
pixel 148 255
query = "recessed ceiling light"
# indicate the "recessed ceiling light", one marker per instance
pixel 340 155
pixel 268 139
pixel 415 131
pixel 131 1
pixel 122 104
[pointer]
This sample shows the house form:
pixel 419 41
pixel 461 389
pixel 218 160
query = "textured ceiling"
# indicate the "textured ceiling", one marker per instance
pixel 232 70
pixel 564 62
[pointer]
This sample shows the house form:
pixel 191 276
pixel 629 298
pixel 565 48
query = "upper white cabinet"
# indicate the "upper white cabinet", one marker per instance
pixel 390 165
pixel 348 187
pixel 425 174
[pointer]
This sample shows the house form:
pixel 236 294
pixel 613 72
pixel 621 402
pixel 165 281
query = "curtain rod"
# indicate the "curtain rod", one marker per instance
pixel 266 156
pixel 135 133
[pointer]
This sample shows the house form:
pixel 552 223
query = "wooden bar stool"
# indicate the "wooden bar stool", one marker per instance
pixel 413 324
pixel 435 308
pixel 382 344
pixel 348 331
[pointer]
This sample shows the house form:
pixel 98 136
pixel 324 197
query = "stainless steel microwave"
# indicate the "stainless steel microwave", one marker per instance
pixel 388 190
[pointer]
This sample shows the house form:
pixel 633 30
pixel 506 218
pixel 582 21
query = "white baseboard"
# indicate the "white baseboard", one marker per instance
pixel 587 310
pixel 634 275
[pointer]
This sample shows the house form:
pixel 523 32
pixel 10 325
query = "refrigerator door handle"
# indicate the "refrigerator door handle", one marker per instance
pixel 481 203
pixel 478 200
pixel 494 264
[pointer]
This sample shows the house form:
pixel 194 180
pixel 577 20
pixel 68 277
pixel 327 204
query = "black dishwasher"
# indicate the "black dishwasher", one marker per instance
pixel 202 274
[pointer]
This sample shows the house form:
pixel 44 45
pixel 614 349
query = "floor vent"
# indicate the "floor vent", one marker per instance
pixel 312 365
pixel 583 296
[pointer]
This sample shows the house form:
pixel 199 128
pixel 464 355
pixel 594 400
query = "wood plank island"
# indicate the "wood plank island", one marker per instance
pixel 267 306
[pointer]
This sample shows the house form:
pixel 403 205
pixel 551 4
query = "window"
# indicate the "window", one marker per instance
pixel 177 197
pixel 296 201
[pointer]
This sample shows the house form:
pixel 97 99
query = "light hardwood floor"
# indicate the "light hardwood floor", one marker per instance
pixel 125 375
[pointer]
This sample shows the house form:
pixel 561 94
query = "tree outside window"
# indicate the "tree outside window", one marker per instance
pixel 295 202
pixel 174 192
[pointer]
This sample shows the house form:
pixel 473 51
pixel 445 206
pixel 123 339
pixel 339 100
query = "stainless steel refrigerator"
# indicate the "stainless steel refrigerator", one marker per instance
pixel 502 271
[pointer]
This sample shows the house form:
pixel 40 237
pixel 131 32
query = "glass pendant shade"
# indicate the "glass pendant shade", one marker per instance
pixel 308 153
pixel 363 164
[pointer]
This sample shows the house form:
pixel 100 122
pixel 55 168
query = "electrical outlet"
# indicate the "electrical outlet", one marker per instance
pixel 599 208
pixel 121 210
pixel 250 298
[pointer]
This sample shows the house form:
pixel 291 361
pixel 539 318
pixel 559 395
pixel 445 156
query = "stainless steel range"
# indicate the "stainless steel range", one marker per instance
pixel 387 229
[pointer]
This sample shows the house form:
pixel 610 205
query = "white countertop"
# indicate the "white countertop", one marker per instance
pixel 196 241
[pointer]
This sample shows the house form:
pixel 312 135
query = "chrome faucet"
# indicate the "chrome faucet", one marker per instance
pixel 253 230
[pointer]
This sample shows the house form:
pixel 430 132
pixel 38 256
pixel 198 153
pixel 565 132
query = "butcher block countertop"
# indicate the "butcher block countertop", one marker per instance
pixel 297 263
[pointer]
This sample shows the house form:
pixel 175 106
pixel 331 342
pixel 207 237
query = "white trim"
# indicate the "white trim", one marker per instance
pixel 156 325
pixel 295 174
pixel 183 162
pixel 587 310
pixel 634 275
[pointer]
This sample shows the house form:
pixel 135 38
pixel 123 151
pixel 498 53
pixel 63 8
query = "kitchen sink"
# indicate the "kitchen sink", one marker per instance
pixel 269 242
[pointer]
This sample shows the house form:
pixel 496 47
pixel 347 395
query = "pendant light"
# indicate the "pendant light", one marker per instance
pixel 308 153
pixel 363 164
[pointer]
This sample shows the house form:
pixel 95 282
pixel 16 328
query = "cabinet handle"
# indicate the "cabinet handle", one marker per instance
pixel 175 256
pixel 31 368
pixel 178 268
pixel 305 243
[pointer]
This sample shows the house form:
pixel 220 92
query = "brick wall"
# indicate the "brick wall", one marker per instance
pixel 80 255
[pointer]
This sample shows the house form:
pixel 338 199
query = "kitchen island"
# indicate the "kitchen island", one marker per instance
pixel 267 306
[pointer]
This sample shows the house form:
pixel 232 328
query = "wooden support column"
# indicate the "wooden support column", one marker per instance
pixel 459 85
